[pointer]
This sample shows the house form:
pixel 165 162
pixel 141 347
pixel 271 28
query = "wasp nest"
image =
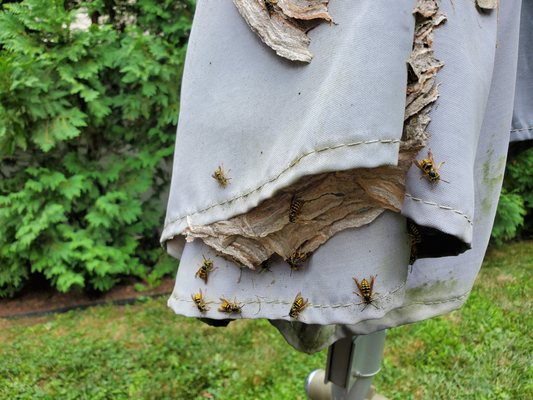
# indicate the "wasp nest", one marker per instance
pixel 283 24
pixel 305 215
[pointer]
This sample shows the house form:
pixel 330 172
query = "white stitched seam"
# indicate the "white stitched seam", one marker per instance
pixel 291 165
pixel 189 300
pixel 416 303
pixel 522 129
pixel 432 203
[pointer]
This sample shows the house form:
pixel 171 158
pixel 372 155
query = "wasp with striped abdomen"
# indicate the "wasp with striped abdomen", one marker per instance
pixel 296 260
pixel 199 300
pixel 415 238
pixel 220 176
pixel 298 305
pixel 295 209
pixel 366 291
pixel 428 168
pixel 204 270
pixel 228 307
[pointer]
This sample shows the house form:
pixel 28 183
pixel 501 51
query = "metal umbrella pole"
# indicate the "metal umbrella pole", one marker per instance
pixel 351 366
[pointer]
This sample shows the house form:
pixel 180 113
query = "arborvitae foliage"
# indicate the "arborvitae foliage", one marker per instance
pixel 89 99
pixel 514 217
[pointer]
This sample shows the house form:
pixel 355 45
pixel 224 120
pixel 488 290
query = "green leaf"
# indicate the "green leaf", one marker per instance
pixel 74 186
pixel 66 279
pixel 509 216
pixel 60 128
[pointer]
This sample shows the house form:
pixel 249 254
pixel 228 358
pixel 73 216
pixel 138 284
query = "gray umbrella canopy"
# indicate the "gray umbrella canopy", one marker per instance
pixel 253 113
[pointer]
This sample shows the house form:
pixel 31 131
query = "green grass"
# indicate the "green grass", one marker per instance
pixel 143 351
pixel 482 351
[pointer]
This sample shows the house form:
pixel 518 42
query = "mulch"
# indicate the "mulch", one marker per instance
pixel 39 299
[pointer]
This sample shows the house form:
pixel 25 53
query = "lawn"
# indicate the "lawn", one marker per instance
pixel 142 351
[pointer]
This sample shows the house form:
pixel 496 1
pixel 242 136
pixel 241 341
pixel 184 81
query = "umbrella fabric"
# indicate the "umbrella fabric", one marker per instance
pixel 248 109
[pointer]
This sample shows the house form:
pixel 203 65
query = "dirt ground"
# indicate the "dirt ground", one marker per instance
pixel 38 298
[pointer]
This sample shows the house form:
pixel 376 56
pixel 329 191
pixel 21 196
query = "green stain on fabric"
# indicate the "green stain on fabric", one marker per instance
pixel 439 288
pixel 486 166
pixel 486 206
pixel 490 181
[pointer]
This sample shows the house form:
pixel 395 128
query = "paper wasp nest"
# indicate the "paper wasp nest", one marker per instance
pixel 487 4
pixel 331 202
pixel 282 24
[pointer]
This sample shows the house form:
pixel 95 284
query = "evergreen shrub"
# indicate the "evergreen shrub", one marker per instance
pixel 514 216
pixel 89 100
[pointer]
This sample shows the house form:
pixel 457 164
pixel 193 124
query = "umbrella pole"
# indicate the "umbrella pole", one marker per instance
pixel 351 366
